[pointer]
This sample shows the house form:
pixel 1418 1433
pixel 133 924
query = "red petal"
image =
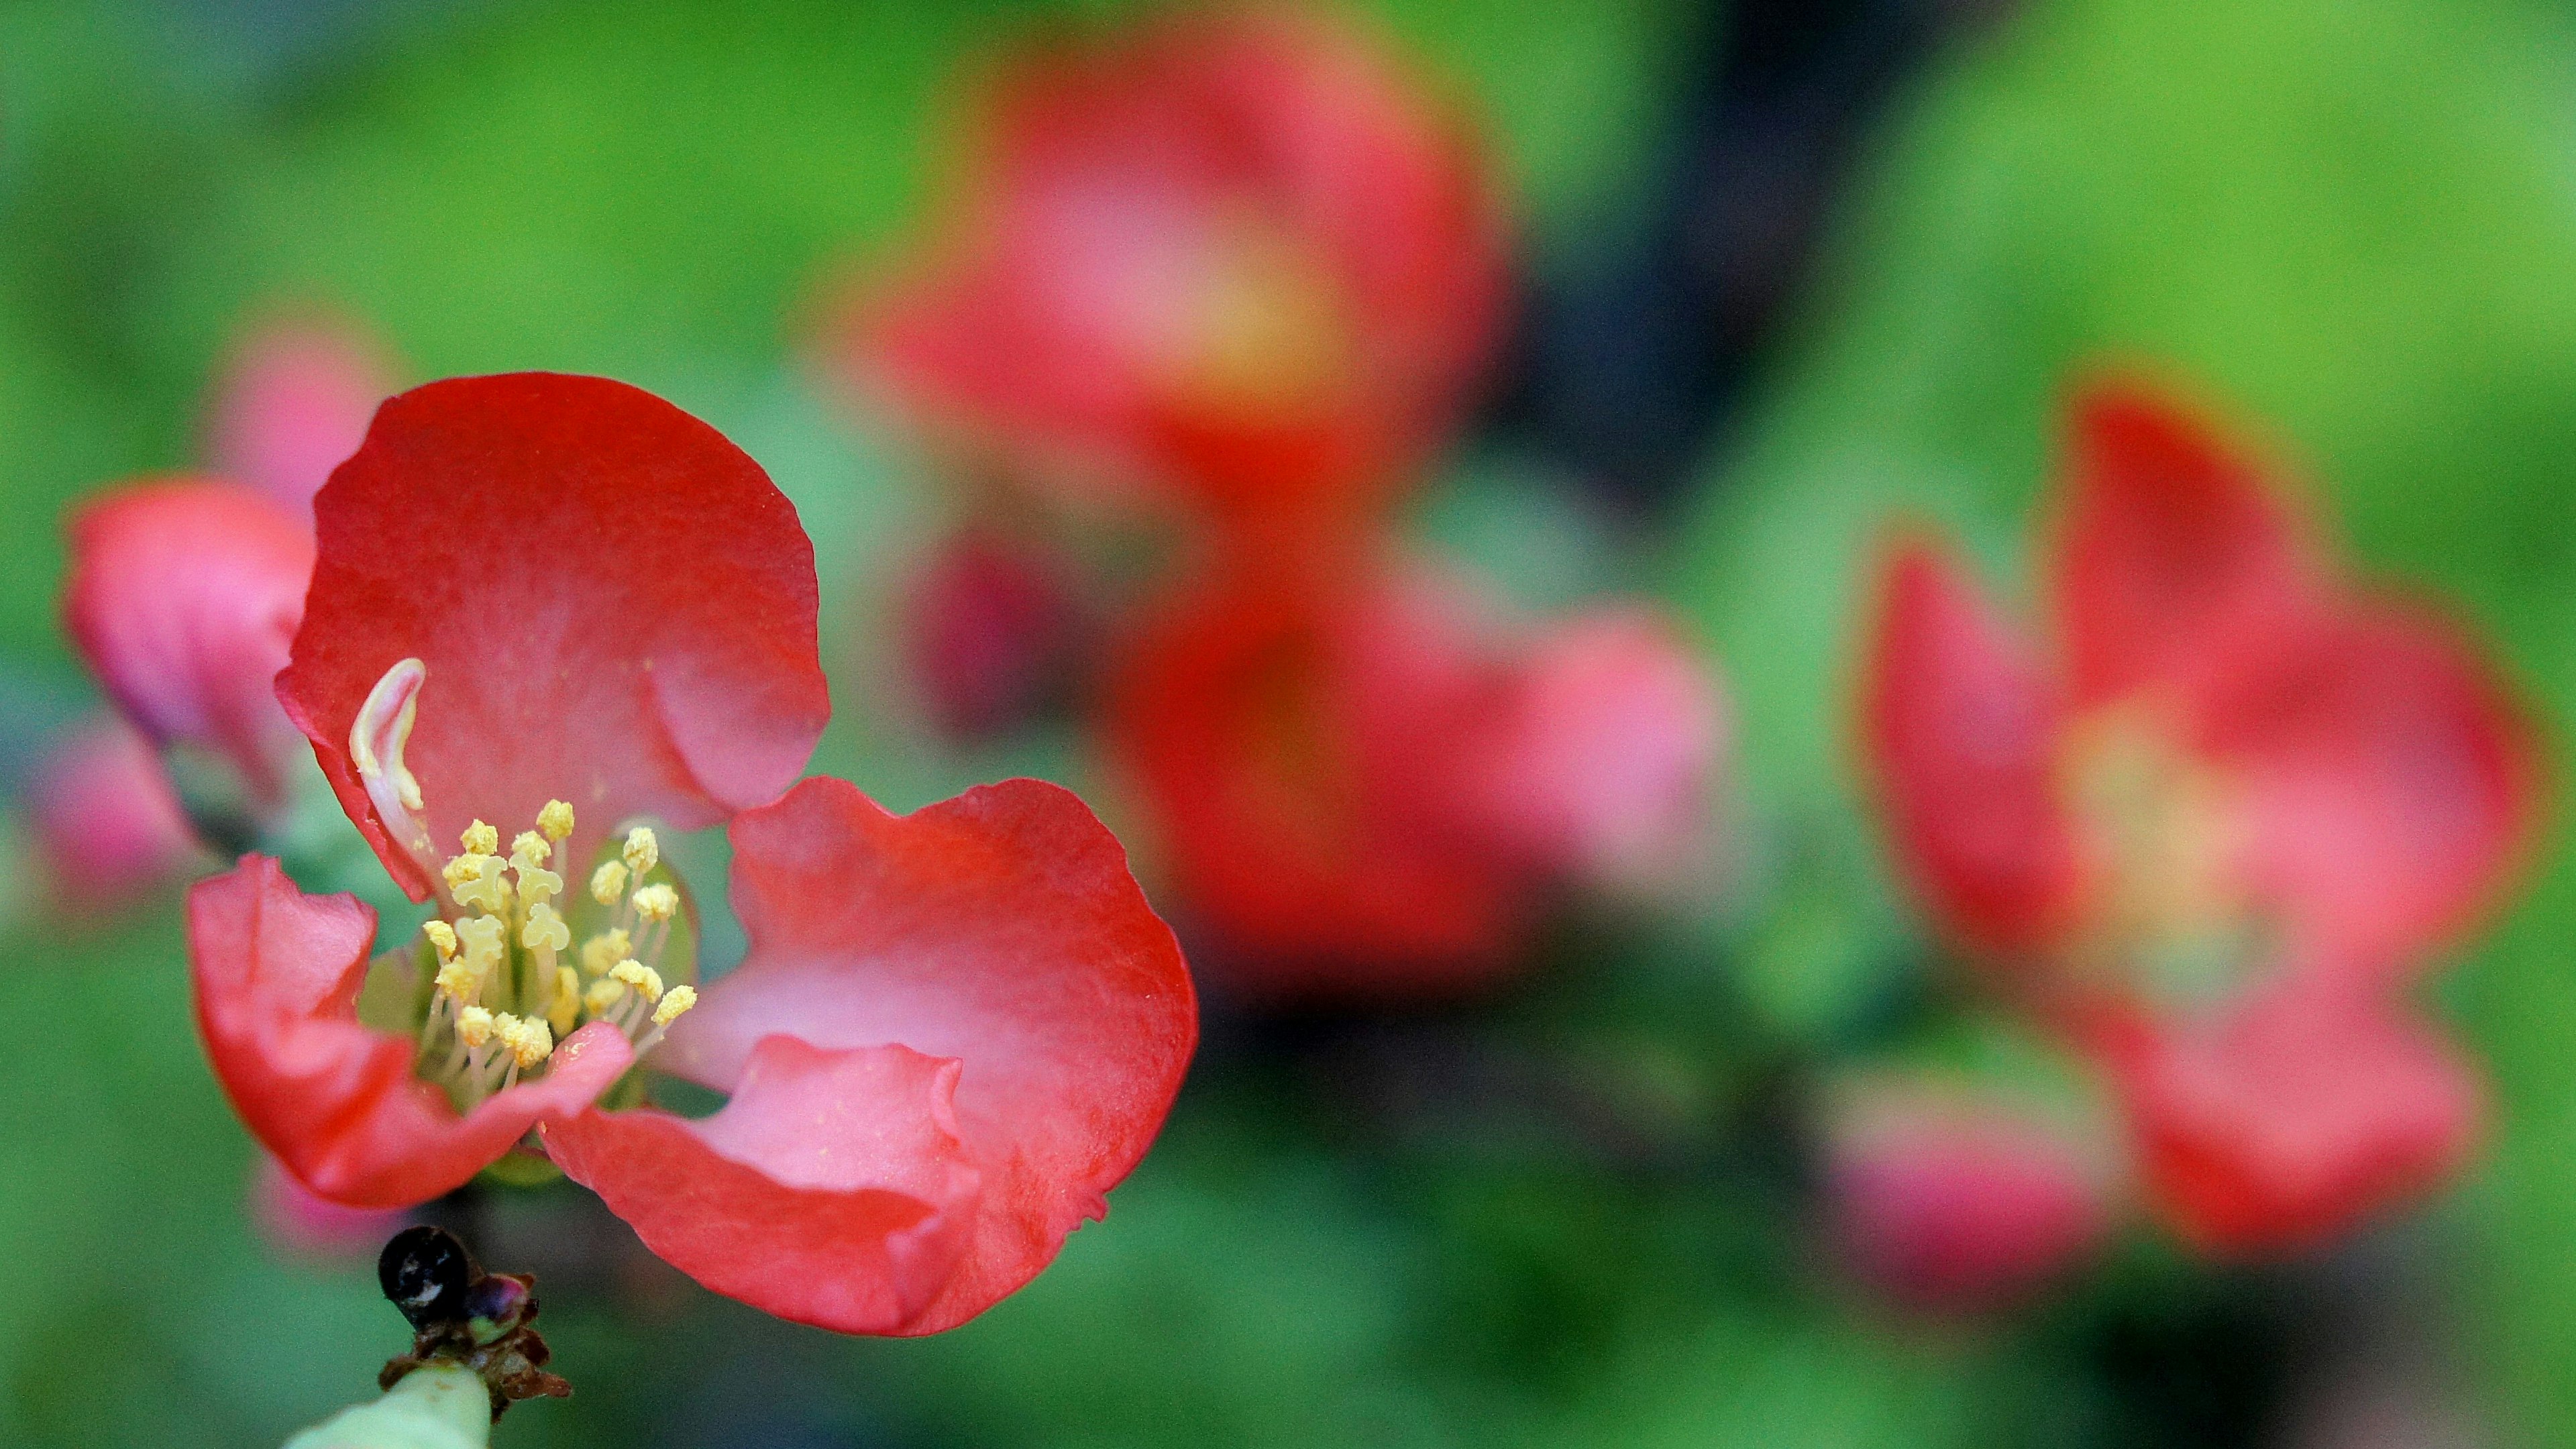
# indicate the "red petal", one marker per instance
pixel 294 402
pixel 1298 751
pixel 277 975
pixel 2391 783
pixel 2311 1110
pixel 1237 254
pixel 615 605
pixel 2176 559
pixel 1000 930
pixel 1963 729
pixel 832 1190
pixel 183 596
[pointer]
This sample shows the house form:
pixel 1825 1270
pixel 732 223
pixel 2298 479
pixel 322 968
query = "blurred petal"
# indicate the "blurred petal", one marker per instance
pixel 2176 559
pixel 2391 782
pixel 832 1190
pixel 182 596
pixel 1000 931
pixel 277 975
pixel 615 605
pixel 1962 729
pixel 293 1217
pixel 2308 1111
pixel 294 401
pixel 106 819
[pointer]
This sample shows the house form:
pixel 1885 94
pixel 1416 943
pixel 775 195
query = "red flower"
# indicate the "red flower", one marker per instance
pixel 1947 1199
pixel 2240 775
pixel 991 631
pixel 561 600
pixel 293 401
pixel 1364 785
pixel 1236 259
pixel 105 820
pixel 183 596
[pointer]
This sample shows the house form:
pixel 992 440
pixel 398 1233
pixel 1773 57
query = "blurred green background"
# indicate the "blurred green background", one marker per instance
pixel 2352 222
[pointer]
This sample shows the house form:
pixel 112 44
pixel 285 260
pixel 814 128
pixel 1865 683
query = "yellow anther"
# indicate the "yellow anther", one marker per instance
pixel 474 1026
pixel 640 976
pixel 460 980
pixel 564 1012
pixel 605 950
pixel 528 845
pixel 603 995
pixel 642 850
pixel 556 820
pixel 481 936
pixel 481 839
pixel 442 938
pixel 545 930
pixel 656 902
pixel 608 882
pixel 680 999
pixel 476 880
pixel 529 1041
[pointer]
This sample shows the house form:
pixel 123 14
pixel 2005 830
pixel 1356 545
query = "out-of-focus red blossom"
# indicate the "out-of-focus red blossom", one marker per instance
pixel 1363 785
pixel 1944 1200
pixel 107 824
pixel 1239 259
pixel 955 1030
pixel 292 401
pixel 2241 790
pixel 300 1221
pixel 990 630
pixel 183 596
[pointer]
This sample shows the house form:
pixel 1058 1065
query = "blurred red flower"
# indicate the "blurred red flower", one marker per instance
pixel 561 600
pixel 1363 785
pixel 1235 259
pixel 292 401
pixel 991 629
pixel 184 591
pixel 107 826
pixel 1945 1198
pixel 2245 791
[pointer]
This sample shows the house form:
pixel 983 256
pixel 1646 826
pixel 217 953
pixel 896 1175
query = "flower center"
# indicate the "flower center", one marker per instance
pixel 2163 836
pixel 508 984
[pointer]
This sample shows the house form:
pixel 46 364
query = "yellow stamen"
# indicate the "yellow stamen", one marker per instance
pixel 481 839
pixel 608 882
pixel 605 950
pixel 656 902
pixel 564 1012
pixel 602 995
pixel 474 1026
pixel 555 820
pixel 460 980
pixel 529 845
pixel 529 1041
pixel 640 976
pixel 442 939
pixel 642 850
pixel 680 999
